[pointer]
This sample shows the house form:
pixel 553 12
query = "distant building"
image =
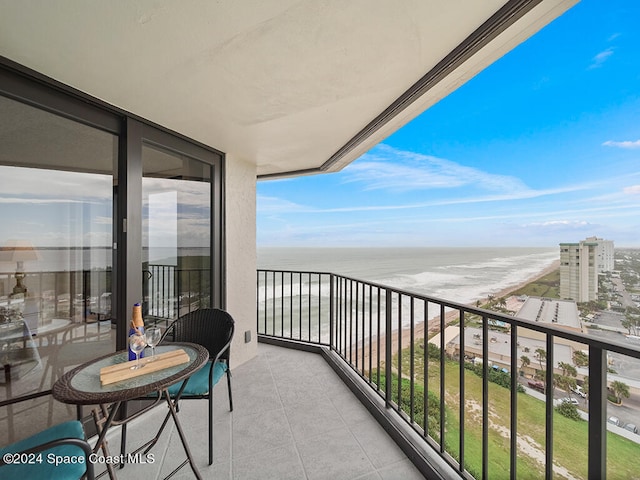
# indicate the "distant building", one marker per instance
pixel 580 264
pixel 604 254
pixel 561 313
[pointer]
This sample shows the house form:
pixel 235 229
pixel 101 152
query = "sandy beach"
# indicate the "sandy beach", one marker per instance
pixel 512 303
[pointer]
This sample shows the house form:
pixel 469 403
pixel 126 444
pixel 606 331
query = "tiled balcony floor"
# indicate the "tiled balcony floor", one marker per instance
pixel 293 418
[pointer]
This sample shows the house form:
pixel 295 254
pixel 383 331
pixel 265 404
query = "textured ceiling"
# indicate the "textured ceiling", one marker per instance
pixel 281 84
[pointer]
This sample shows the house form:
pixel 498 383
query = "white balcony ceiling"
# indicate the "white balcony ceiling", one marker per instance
pixel 286 84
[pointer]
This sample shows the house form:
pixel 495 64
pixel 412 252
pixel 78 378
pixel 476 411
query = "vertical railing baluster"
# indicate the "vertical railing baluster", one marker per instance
pixel 514 403
pixel 319 308
pixel 290 304
pixel 597 468
pixel 266 304
pixel 378 337
pixel 412 359
pixel 273 303
pixel 161 284
pixel 309 307
pixel 370 330
pixel 442 389
pixel 176 292
pixel 282 304
pixel 387 350
pixel 362 334
pixel 425 368
pixel 549 410
pixel 331 313
pixel 485 398
pixel 350 340
pixel 355 340
pixel 339 308
pixel 399 351
pixel 343 325
pixel 462 390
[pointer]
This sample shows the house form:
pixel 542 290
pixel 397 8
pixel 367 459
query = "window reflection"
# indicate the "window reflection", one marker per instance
pixel 176 192
pixel 56 209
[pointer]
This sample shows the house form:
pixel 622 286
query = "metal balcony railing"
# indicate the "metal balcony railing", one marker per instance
pixel 445 391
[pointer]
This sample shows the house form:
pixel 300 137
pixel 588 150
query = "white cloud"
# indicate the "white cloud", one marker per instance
pixel 557 223
pixel 37 201
pixel 633 190
pixel 273 205
pixel 624 144
pixel 55 184
pixel 600 58
pixel 388 168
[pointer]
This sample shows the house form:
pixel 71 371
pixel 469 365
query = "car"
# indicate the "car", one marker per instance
pixel 579 391
pixel 631 427
pixel 536 386
pixel 573 401
pixel 614 421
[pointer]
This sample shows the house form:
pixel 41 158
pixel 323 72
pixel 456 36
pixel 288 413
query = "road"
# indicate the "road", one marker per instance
pixel 628 412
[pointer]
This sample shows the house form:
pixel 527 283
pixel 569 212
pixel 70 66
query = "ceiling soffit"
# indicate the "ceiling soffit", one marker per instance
pixel 289 85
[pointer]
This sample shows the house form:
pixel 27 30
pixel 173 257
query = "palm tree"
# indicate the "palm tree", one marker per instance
pixel 632 320
pixel 620 389
pixel 524 361
pixel 626 323
pixel 580 358
pixel 567 369
pixel 541 353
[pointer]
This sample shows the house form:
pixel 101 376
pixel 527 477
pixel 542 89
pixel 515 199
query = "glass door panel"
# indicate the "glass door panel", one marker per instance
pixel 56 258
pixel 176 234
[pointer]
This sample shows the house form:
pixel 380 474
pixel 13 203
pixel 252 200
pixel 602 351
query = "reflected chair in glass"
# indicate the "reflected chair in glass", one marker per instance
pixel 32 456
pixel 213 329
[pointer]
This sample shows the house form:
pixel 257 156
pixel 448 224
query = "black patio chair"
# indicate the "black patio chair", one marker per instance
pixel 213 329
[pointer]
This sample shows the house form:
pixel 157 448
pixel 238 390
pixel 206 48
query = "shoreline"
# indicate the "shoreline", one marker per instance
pixel 434 322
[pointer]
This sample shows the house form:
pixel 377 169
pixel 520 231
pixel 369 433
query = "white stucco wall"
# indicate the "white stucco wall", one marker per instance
pixel 240 193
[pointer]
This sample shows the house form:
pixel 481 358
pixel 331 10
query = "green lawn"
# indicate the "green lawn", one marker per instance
pixel 570 437
pixel 547 286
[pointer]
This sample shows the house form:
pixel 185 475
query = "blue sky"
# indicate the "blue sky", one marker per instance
pixel 540 148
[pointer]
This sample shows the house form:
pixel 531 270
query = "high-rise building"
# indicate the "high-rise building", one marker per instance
pixel 604 254
pixel 580 264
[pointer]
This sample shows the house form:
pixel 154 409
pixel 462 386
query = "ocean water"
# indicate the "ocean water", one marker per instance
pixel 461 275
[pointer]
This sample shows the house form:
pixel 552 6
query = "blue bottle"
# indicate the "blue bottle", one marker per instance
pixel 137 328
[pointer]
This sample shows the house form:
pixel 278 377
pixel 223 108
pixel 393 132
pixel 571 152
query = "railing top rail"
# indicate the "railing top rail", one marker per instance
pixel 304 272
pixel 610 345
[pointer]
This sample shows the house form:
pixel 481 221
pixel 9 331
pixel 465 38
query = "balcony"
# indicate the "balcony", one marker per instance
pixel 349 401
pixel 476 355
pixel 293 418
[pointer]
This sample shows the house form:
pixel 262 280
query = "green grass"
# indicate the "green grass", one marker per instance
pixel 547 286
pixel 570 436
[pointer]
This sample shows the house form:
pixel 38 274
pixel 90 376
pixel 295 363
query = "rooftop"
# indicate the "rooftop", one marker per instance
pixel 563 313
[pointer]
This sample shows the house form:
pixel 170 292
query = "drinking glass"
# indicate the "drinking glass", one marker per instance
pixel 152 336
pixel 137 344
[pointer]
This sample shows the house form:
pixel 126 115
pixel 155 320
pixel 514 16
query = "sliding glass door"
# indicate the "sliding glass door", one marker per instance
pixel 98 211
pixel 56 257
pixel 176 234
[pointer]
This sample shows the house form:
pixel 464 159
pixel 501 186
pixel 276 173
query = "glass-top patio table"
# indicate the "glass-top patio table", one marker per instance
pixel 81 386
